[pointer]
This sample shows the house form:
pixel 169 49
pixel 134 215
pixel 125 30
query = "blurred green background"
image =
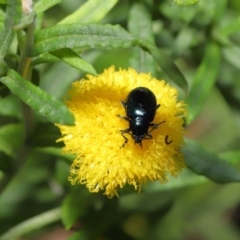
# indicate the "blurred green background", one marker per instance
pixel 190 207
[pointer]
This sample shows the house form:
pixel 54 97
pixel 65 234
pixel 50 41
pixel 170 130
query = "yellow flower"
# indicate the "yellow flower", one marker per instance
pixel 96 139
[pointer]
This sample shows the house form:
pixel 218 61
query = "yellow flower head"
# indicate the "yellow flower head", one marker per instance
pixel 101 163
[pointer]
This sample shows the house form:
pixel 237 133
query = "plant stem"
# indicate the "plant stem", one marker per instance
pixel 23 70
pixel 32 224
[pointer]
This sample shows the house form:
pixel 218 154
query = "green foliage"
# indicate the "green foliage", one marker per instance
pixel 192 44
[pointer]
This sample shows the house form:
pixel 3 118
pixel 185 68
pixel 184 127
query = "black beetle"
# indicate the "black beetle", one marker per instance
pixel 140 106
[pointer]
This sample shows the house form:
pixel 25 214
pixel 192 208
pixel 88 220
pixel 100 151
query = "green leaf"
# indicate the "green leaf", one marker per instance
pixel 73 59
pixel 140 25
pixel 43 5
pixel 89 12
pixel 46 105
pixel 25 20
pixel 82 37
pixel 204 80
pixel 166 63
pixel 208 164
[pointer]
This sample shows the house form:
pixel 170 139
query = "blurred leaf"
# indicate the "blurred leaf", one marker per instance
pixel 32 224
pixel 183 41
pixel 82 37
pixel 2 15
pixel 219 10
pixel 74 206
pixel 166 63
pixel 208 164
pixel 6 147
pixel 40 101
pixel 186 178
pixel 13 134
pixel 177 13
pixel 204 80
pixel 11 107
pixel 6 155
pixel 4 91
pixel 43 5
pixel 79 235
pixel 231 54
pixel 45 135
pixel 140 22
pixel 57 152
pixel 230 28
pixel 89 12
pixel 73 59
pixel 140 25
pixel 139 203
pixel 5 162
pixel 232 157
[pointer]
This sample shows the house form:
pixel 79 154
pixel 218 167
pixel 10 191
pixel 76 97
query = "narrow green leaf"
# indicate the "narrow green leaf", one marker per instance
pixel 186 2
pixel 44 58
pixel 73 59
pixel 46 105
pixel 7 33
pixel 166 63
pixel 204 80
pixel 43 5
pixel 89 12
pixel 6 147
pixel 140 25
pixel 208 164
pixel 82 37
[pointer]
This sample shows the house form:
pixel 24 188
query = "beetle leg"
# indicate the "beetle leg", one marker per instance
pixel 166 140
pixel 155 125
pixel 123 117
pixel 124 103
pixel 148 136
pixel 125 138
pixel 158 106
